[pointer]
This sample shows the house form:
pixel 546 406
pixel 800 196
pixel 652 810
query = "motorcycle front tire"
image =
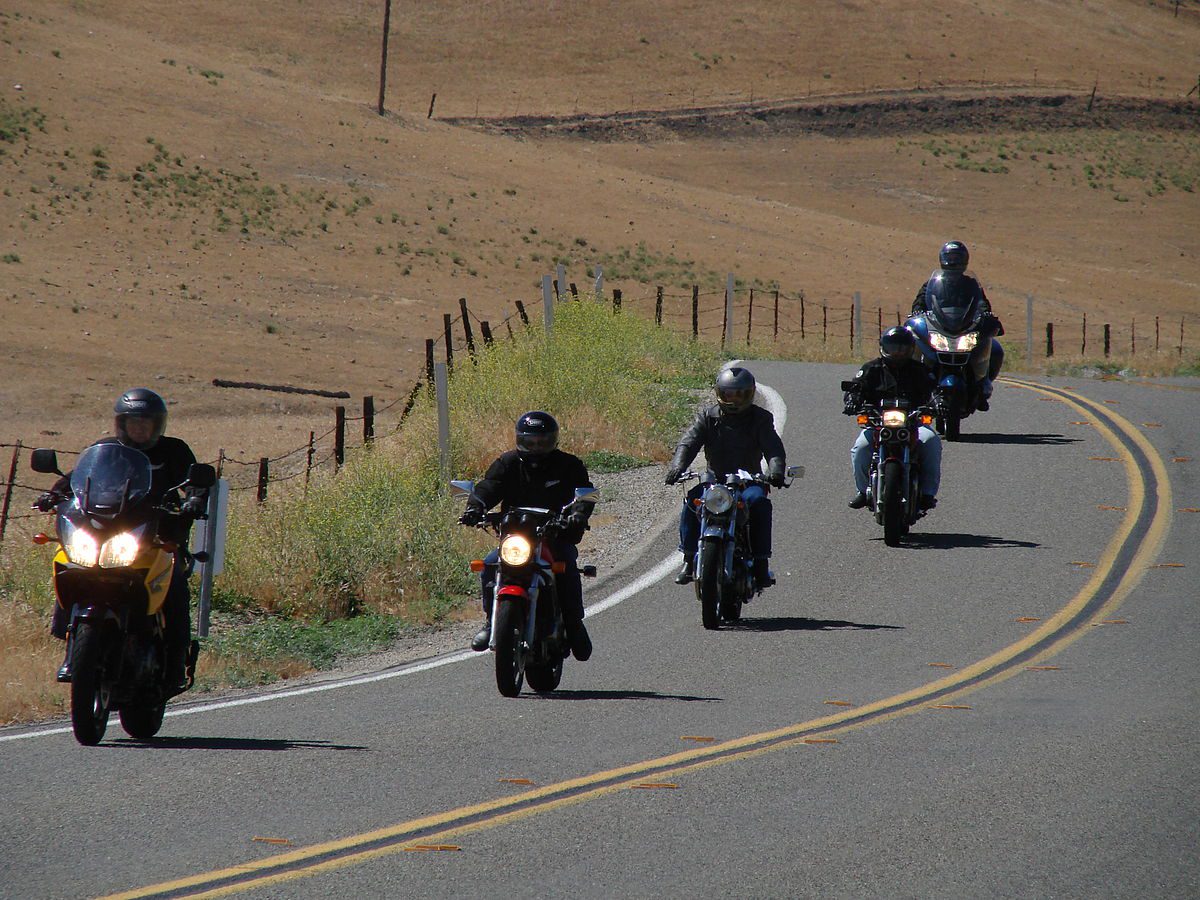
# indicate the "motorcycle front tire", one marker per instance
pixel 708 584
pixel 89 696
pixel 891 502
pixel 142 722
pixel 510 656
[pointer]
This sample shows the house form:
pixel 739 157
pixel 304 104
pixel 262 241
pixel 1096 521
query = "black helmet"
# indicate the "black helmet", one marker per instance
pixel 735 390
pixel 954 256
pixel 140 403
pixel 897 344
pixel 537 434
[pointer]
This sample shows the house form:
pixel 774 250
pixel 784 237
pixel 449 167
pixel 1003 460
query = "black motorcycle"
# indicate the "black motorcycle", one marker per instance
pixel 112 572
pixel 893 486
pixel 724 564
pixel 529 639
pixel 955 338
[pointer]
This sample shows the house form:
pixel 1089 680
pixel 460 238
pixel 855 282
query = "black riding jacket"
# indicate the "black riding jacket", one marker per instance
pixel 547 482
pixel 732 441
pixel 879 379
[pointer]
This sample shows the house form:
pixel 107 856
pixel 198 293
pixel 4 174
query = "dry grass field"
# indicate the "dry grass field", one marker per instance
pixel 193 193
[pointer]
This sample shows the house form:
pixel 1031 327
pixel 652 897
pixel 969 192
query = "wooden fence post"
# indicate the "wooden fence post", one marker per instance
pixel 446 324
pixel 308 463
pixel 339 436
pixel 486 330
pixel 429 360
pixel 696 312
pixel 824 323
pixel 1107 340
pixel 616 300
pixel 1083 344
pixel 574 291
pixel 387 20
pixel 1049 339
pixel 1156 334
pixel 658 306
pixel 1181 329
pixel 264 476
pixel 879 315
pixel 856 324
pixel 220 461
pixel 727 316
pixel 775 336
pixel 1133 336
pixel 560 281
pixel 853 316
pixel 1029 327
pixel 368 419
pixel 802 334
pixel 749 317
pixel 521 312
pixel 432 100
pixel 466 319
pixel 8 489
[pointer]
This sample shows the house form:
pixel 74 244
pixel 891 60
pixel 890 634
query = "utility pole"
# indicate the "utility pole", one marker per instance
pixel 387 24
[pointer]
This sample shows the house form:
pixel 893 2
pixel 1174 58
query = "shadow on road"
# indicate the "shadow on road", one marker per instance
pixel 798 623
pixel 946 540
pixel 985 438
pixel 617 695
pixel 227 743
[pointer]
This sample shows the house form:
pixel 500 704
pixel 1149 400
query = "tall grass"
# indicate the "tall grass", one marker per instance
pixel 381 536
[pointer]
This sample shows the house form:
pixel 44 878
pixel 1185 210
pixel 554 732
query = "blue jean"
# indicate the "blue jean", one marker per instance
pixel 929 456
pixel 758 506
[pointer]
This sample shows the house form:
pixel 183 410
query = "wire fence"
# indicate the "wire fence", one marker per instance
pixel 745 319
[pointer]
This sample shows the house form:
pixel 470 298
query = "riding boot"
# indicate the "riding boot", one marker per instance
pixel 64 671
pixel 480 642
pixel 581 644
pixel 687 571
pixel 763 578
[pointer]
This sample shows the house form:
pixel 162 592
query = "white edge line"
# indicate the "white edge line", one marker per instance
pixel 772 401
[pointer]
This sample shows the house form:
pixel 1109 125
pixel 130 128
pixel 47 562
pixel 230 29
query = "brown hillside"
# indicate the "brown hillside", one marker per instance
pixel 205 191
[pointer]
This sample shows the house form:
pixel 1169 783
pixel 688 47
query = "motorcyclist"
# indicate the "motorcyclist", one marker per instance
pixel 895 374
pixel 734 434
pixel 952 260
pixel 140 422
pixel 537 474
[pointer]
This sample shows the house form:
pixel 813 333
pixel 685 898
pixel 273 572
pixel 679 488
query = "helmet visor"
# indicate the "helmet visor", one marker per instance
pixel 536 444
pixel 736 399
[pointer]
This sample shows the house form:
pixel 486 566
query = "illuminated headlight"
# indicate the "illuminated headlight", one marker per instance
pixel 82 548
pixel 119 551
pixel 894 418
pixel 967 342
pixel 718 500
pixel 515 550
pixel 939 342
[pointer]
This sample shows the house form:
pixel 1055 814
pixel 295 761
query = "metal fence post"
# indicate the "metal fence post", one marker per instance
pixel 856 325
pixel 443 413
pixel 547 305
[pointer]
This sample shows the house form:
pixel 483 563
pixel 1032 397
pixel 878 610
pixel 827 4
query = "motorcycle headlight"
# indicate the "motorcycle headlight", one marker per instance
pixel 967 341
pixel 718 500
pixel 939 342
pixel 118 551
pixel 81 548
pixel 515 550
pixel 894 418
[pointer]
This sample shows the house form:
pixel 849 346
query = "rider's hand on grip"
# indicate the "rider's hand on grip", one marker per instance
pixel 672 476
pixel 777 479
pixel 194 507
pixel 46 501
pixel 471 517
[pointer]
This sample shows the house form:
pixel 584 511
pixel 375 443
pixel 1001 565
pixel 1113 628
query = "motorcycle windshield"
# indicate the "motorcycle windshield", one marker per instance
pixel 110 478
pixel 953 301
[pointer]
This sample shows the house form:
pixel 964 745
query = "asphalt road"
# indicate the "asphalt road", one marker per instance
pixel 1006 706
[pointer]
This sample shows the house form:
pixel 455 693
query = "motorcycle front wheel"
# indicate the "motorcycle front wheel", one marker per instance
pixel 708 582
pixel 544 678
pixel 89 695
pixel 891 503
pixel 510 655
pixel 142 722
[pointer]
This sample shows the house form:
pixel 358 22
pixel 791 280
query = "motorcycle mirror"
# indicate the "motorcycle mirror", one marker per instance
pixel 795 471
pixel 849 385
pixel 462 488
pixel 587 495
pixel 201 475
pixel 44 461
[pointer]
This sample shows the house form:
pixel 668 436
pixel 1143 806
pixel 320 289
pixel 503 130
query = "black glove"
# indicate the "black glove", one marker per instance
pixel 776 479
pixel 577 521
pixel 471 516
pixel 194 507
pixel 46 501
pixel 672 476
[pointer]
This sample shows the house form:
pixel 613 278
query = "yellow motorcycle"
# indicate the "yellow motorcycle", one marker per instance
pixel 111 575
